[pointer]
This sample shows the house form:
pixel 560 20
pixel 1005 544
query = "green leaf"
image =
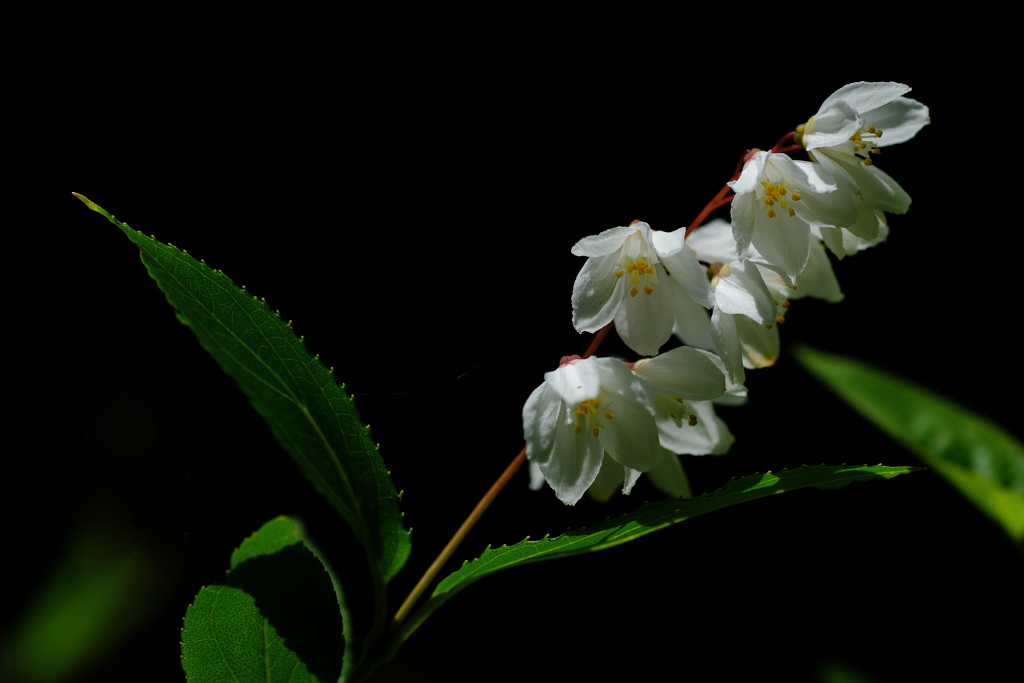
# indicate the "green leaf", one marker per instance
pixel 312 416
pixel 974 454
pixel 649 518
pixel 99 595
pixel 274 619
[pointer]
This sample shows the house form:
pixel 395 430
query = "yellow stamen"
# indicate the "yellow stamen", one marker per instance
pixel 648 289
pixel 595 432
pixel 619 273
pixel 634 291
pixel 797 196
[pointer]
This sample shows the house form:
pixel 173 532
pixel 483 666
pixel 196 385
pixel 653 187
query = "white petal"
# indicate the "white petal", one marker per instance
pixel 727 343
pixel 692 321
pixel 618 381
pixel 667 243
pixel 608 481
pixel 576 381
pixel 543 414
pixel 608 242
pixel 782 241
pixel 628 479
pixel 684 372
pixel 743 213
pixel 595 294
pixel 713 242
pixel 836 240
pixel 536 476
pixel 865 96
pixel 899 120
pixel 740 290
pixel 631 436
pixel 686 271
pixel 735 394
pixel 760 343
pixel 709 436
pixel 818 279
pixel 750 176
pixel 832 125
pixel 574 467
pixel 802 175
pixel 867 226
pixel 877 189
pixel 883 231
pixel 670 477
pixel 644 322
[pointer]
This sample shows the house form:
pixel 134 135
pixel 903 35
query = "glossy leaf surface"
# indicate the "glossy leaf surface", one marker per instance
pixel 979 458
pixel 275 619
pixel 309 413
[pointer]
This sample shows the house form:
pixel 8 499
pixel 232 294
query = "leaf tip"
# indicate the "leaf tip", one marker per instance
pixel 88 202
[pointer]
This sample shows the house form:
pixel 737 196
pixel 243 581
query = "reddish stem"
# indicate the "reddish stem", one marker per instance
pixel 778 146
pixel 596 341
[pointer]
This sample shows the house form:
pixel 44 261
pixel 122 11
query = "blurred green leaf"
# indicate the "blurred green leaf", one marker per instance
pixel 104 588
pixel 974 454
pixel 649 518
pixel 310 414
pixel 275 618
pixel 833 671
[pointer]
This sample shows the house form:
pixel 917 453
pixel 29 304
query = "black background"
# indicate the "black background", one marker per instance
pixel 410 204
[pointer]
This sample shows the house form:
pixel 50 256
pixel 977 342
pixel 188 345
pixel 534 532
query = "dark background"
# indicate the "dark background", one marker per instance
pixel 410 205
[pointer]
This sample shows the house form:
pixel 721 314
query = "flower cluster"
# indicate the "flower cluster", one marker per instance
pixel 597 423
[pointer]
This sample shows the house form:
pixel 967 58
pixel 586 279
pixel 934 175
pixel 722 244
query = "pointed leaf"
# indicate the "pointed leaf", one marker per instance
pixel 274 619
pixel 311 415
pixel 974 454
pixel 651 517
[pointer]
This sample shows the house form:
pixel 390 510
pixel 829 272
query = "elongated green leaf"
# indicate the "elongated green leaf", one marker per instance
pixel 97 597
pixel 311 415
pixel 975 455
pixel 653 516
pixel 275 618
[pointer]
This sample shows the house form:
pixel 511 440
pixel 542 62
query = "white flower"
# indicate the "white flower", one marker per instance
pixel 845 136
pixel 624 280
pixel 741 326
pixel 877 113
pixel 685 381
pixel 570 443
pixel 583 409
pixel 751 296
pixel 778 201
pixel 686 427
